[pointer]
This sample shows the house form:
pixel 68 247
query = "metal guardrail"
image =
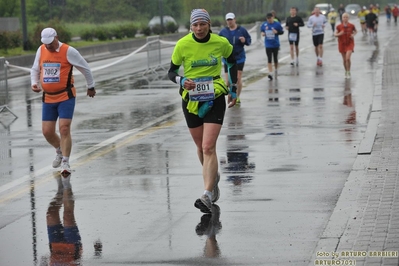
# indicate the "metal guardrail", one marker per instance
pixel 154 58
pixel 4 87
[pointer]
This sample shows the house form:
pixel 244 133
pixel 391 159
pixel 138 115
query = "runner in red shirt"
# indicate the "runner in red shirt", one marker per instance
pixel 346 44
pixel 395 13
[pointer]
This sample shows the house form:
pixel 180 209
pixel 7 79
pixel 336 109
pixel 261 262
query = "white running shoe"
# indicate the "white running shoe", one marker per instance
pixel 204 204
pixel 216 191
pixel 65 169
pixel 57 160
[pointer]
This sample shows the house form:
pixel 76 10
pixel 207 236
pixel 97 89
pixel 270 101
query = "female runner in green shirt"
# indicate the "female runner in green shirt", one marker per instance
pixel 202 90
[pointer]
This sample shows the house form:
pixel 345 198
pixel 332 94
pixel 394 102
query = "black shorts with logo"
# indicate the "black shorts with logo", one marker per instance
pixel 215 115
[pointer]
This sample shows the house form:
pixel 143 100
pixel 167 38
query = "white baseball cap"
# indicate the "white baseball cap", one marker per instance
pixel 48 35
pixel 230 16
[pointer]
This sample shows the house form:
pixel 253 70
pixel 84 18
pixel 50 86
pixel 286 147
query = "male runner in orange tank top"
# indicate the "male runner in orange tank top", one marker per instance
pixel 52 73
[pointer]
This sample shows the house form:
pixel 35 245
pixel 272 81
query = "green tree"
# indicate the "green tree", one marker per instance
pixel 9 8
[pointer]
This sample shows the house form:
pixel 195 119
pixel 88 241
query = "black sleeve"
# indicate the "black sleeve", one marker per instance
pixel 233 67
pixel 300 23
pixel 173 72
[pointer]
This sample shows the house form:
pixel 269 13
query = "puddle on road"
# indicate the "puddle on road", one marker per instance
pixel 236 165
pixel 282 169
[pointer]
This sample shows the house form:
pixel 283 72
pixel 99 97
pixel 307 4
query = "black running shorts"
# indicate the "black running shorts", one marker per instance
pixel 272 53
pixel 240 67
pixel 215 115
pixel 318 39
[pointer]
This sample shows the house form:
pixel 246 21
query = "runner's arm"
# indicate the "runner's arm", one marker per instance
pixel 173 73
pixel 301 23
pixel 310 23
pixel 232 67
pixel 77 60
pixel 280 30
pixel 35 70
pixel 248 39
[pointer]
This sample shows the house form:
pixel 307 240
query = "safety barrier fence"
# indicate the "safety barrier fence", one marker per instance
pixel 153 46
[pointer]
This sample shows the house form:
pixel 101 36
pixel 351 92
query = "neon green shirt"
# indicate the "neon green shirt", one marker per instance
pixel 202 60
pixel 362 16
pixel 332 16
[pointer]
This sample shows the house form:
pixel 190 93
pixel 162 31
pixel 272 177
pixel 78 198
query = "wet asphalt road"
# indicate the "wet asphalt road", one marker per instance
pixel 284 155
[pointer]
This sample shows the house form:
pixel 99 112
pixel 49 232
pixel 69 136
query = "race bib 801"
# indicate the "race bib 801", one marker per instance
pixel 204 90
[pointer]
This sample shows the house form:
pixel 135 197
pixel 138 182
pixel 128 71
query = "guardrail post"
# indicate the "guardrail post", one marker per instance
pixel 4 85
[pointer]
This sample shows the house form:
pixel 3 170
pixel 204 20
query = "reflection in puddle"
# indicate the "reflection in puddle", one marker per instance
pixel 98 249
pixel 64 237
pixel 318 94
pixel 294 71
pixel 273 95
pixel 295 96
pixel 351 117
pixel 210 226
pixel 132 118
pixel 237 166
pixel 319 71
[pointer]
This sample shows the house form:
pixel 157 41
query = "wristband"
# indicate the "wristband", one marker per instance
pixel 91 89
pixel 182 81
pixel 233 88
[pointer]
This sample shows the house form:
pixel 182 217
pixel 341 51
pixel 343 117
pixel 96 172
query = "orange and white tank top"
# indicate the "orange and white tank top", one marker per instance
pixel 56 76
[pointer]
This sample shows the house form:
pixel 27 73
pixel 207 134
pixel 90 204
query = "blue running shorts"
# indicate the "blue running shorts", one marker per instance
pixel 53 111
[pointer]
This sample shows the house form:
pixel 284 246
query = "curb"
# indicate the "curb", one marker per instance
pixel 347 206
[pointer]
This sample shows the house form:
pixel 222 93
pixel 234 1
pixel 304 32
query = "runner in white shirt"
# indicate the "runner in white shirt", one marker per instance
pixel 317 22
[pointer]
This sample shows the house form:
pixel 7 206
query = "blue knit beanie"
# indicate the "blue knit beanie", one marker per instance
pixel 199 15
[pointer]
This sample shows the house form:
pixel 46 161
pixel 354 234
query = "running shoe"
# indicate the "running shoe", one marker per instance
pixel 65 169
pixel 238 100
pixel 216 191
pixel 270 77
pixel 204 204
pixel 348 74
pixel 57 160
pixel 292 63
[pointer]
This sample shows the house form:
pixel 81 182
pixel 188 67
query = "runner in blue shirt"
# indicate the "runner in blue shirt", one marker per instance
pixel 238 36
pixel 271 29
